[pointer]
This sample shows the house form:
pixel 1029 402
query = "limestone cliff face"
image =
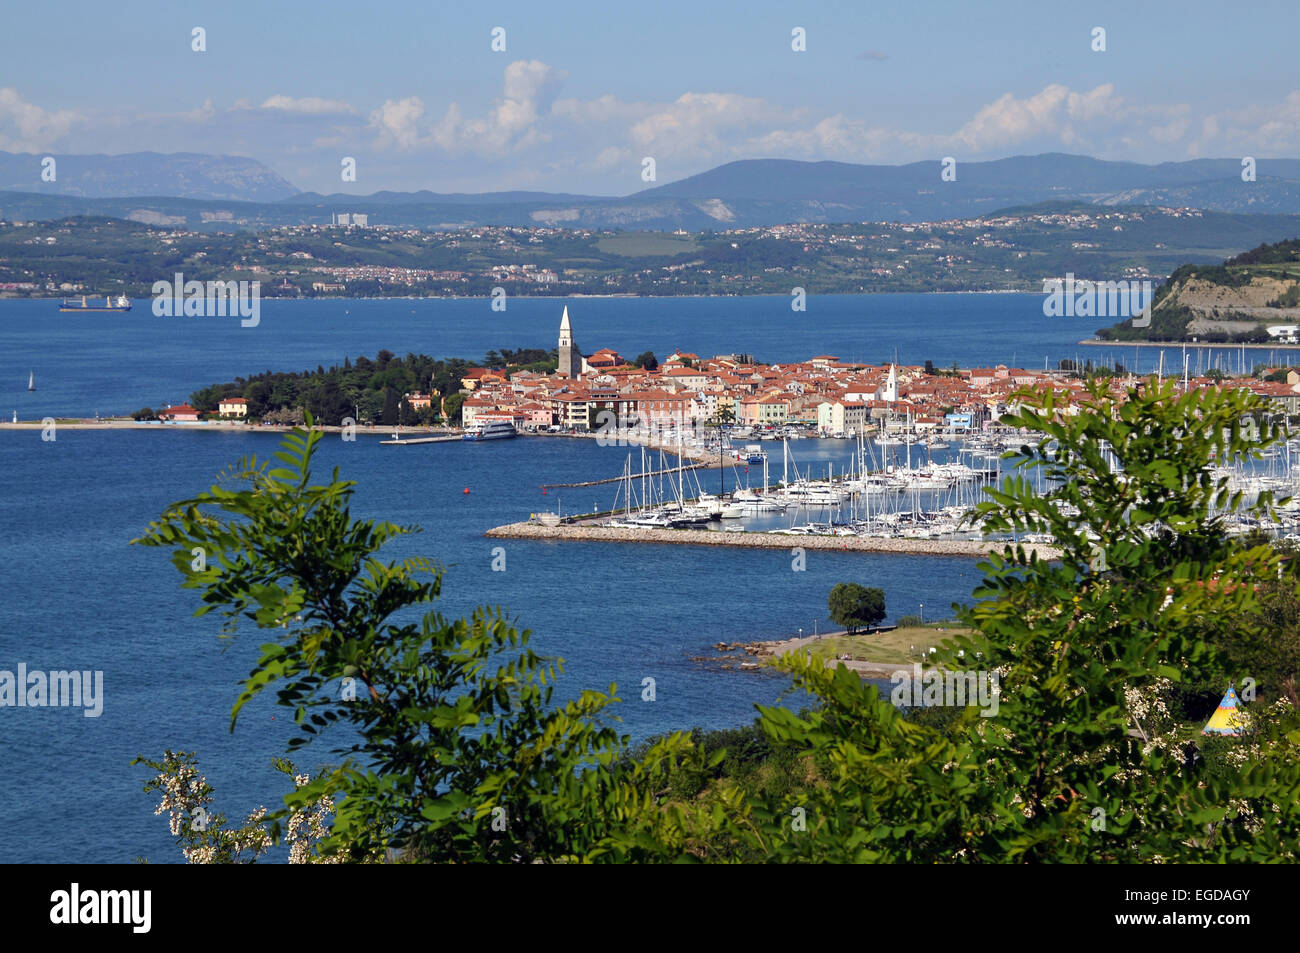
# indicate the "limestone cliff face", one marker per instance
pixel 1233 307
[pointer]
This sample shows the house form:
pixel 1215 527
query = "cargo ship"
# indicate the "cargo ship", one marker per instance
pixel 121 304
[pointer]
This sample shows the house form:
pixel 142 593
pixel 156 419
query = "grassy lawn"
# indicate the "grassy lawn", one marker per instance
pixel 887 647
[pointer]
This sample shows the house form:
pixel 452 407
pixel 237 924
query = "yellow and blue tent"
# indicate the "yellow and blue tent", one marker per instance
pixel 1228 718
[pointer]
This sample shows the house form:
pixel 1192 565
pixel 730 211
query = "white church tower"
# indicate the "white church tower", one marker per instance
pixel 890 390
pixel 570 356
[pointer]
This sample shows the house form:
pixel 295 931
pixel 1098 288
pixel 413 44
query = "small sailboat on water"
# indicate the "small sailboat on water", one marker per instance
pixel 31 380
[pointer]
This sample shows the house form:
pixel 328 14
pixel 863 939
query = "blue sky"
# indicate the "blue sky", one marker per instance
pixel 584 91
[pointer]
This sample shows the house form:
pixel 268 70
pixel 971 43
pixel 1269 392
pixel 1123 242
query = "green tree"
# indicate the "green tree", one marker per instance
pixel 452 750
pixel 647 360
pixel 406 414
pixel 854 606
pixel 452 407
pixel 1266 647
pixel 1072 763
pixel 390 412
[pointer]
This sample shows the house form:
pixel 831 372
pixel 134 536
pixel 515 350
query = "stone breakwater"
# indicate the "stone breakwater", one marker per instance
pixel 703 537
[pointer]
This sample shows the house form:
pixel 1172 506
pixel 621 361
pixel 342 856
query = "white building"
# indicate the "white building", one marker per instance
pixel 842 416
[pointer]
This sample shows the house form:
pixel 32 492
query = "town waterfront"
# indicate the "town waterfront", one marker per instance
pixel 77 596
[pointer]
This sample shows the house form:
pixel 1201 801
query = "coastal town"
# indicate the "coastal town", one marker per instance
pixel 823 394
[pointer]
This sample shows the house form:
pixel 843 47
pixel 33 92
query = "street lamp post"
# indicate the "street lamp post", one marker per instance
pixel 922 613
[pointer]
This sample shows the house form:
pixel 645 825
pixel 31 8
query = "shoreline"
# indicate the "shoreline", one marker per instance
pixel 120 423
pixel 700 459
pixel 1096 342
pixel 776 648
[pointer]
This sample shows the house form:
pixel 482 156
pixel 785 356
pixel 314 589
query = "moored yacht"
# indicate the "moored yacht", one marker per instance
pixel 490 430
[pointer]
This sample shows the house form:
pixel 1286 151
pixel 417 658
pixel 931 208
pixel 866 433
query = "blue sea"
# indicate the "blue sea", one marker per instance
pixel 75 594
pixel 111 363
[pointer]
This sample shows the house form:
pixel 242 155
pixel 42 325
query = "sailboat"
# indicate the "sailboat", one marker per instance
pixel 31 380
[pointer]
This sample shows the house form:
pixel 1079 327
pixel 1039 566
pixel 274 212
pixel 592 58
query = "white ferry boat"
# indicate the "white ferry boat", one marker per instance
pixel 490 430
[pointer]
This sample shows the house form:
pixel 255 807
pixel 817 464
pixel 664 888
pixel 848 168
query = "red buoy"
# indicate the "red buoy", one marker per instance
pixel 466 489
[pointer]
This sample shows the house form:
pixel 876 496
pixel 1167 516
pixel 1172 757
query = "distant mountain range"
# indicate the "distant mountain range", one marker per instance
pixel 179 175
pixel 222 192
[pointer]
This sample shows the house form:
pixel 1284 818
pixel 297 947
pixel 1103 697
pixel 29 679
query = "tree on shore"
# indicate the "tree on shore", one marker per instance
pixel 453 749
pixel 391 410
pixel 856 607
pixel 451 408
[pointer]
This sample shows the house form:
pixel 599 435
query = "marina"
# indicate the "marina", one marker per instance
pixel 871 505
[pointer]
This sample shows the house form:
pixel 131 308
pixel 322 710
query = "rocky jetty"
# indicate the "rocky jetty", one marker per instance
pixel 700 537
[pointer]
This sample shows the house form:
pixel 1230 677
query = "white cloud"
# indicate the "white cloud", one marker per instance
pixel 698 124
pixel 398 120
pixel 307 105
pixel 203 113
pixel 1009 120
pixel 846 139
pixel 1272 128
pixel 611 158
pixel 26 127
pixel 513 123
pixel 607 108
pixel 527 133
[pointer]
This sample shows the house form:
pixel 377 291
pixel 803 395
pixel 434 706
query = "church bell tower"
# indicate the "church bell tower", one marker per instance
pixel 570 356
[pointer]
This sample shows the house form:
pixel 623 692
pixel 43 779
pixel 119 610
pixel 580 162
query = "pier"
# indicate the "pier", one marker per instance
pixel 404 441
pixel 587 532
